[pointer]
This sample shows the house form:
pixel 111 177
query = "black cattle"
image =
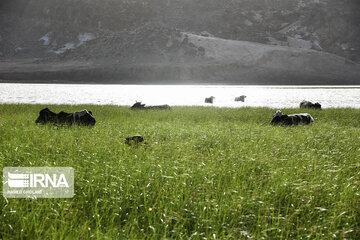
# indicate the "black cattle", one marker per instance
pixel 134 139
pixel 140 106
pixel 240 98
pixel 209 99
pixel 292 119
pixel 307 104
pixel 83 117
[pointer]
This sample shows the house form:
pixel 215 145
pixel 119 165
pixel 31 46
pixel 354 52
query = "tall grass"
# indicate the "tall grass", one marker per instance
pixel 204 173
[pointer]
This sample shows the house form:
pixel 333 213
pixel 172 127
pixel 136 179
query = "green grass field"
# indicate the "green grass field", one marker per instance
pixel 205 173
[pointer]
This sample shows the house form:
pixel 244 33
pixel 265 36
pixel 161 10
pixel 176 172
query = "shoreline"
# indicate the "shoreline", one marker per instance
pixel 128 83
pixel 173 73
pixel 175 107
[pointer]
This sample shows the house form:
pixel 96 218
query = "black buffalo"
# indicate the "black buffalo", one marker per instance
pixel 83 117
pixel 240 99
pixel 134 139
pixel 292 119
pixel 307 104
pixel 139 105
pixel 209 99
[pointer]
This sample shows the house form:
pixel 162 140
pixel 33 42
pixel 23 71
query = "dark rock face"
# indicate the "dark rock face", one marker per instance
pixel 291 120
pixel 83 117
pixel 307 104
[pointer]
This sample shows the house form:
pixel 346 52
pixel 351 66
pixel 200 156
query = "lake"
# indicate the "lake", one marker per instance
pixel 181 95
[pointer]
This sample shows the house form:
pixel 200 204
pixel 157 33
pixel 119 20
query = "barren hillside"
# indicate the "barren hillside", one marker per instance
pixel 176 41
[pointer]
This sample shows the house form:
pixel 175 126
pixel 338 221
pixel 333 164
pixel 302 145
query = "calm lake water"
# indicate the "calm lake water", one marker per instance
pixel 257 96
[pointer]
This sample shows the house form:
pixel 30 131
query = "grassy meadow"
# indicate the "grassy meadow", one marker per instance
pixel 205 173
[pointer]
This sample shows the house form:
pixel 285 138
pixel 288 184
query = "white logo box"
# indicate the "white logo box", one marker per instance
pixel 38 182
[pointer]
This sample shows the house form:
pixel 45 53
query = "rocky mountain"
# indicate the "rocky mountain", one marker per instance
pixel 255 41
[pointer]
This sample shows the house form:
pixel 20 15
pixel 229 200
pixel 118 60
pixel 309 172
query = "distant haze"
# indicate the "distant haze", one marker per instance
pixel 180 41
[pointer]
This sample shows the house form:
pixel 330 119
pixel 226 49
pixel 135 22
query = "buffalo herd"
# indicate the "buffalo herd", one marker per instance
pixel 237 99
pixel 85 117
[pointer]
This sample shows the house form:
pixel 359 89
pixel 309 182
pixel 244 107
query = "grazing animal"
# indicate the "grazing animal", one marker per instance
pixel 293 119
pixel 240 99
pixel 134 139
pixel 83 117
pixel 307 104
pixel 139 105
pixel 209 99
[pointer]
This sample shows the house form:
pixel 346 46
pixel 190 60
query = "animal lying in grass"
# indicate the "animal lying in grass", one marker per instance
pixel 134 139
pixel 307 104
pixel 139 105
pixel 83 117
pixel 293 119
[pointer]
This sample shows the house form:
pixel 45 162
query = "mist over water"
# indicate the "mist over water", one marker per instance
pixel 181 95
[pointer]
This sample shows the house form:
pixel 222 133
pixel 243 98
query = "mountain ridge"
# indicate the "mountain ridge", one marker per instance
pixel 114 35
